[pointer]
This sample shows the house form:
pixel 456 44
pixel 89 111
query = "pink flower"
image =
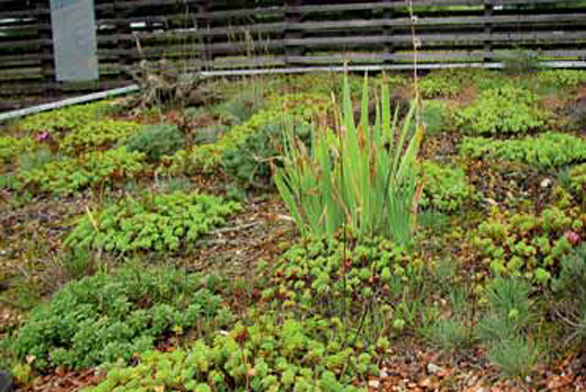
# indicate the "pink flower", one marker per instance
pixel 43 136
pixel 572 237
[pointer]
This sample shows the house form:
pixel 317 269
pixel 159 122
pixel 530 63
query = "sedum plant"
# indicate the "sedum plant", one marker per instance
pixel 577 181
pixel 208 157
pixel 444 83
pixel 546 151
pixel 362 175
pixel 106 318
pixel 67 119
pixel 156 141
pixel 448 83
pixel 524 244
pixel 94 169
pixel 446 188
pixel 271 355
pixel 249 164
pixel 502 110
pixel 12 147
pixel 100 135
pixel 338 276
pixel 563 78
pixel 162 223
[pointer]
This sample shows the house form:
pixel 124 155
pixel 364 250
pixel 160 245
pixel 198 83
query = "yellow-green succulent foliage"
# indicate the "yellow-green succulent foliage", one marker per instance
pixel 527 244
pixel 208 156
pixel 69 118
pixel 445 187
pixel 99 135
pixel 323 275
pixel 12 147
pixel 445 83
pixel 67 176
pixel 577 177
pixel 166 222
pixel 563 78
pixel 111 317
pixel 546 151
pixel 503 110
pixel 450 82
pixel 326 84
pixel 306 345
pixel 270 355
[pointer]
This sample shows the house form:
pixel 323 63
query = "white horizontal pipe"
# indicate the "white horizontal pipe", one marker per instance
pixel 268 71
pixel 381 67
pixel 69 101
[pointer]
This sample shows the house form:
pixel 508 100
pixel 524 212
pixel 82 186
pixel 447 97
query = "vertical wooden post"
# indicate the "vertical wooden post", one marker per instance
pixel 124 45
pixel 487 47
pixel 206 55
pixel 388 32
pixel 292 17
pixel 48 73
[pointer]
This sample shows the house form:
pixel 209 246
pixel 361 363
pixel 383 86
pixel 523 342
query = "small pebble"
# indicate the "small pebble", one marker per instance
pixel 491 201
pixel 472 381
pixel 432 368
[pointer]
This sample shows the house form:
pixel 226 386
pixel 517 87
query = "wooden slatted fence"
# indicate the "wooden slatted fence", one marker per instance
pixel 233 35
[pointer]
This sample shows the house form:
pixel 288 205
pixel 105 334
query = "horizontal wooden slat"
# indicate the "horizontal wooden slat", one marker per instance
pixel 421 3
pixel 313 33
pixel 352 41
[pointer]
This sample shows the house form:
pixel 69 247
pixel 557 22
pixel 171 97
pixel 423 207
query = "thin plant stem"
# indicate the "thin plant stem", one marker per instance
pixel 416 43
